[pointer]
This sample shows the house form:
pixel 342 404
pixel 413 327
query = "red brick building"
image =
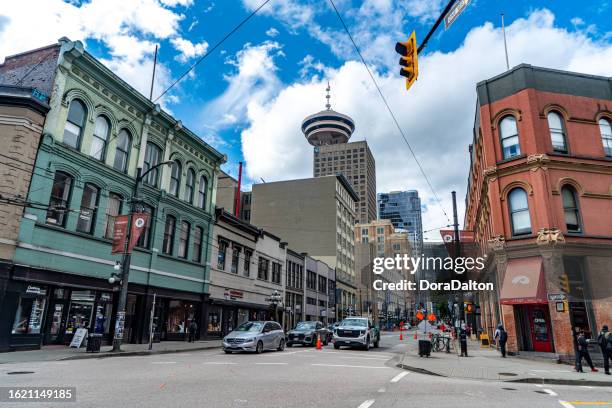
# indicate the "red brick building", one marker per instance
pixel 539 201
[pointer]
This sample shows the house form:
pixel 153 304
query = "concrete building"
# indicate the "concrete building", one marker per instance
pixel 226 196
pixel 294 288
pixel 319 281
pixel 317 216
pixel 538 200
pixel 97 133
pixel 403 208
pixel 379 239
pixel 247 267
pixel 329 131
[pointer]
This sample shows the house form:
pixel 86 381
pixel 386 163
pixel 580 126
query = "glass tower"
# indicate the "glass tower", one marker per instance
pixel 403 208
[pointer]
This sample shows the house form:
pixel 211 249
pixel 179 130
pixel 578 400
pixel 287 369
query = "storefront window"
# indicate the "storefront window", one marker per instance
pixel 81 310
pixel 180 315
pixel 243 316
pixel 28 318
pixel 214 321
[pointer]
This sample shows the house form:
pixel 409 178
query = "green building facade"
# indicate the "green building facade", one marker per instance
pixel 97 134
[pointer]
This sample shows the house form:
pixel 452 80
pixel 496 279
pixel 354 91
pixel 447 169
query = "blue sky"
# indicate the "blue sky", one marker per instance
pixel 248 98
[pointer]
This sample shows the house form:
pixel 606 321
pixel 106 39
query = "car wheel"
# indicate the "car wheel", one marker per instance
pixel 336 346
pixel 281 345
pixel 259 347
pixel 367 345
pixel 227 352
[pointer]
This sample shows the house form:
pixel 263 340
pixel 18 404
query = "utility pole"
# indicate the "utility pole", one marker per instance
pixel 457 245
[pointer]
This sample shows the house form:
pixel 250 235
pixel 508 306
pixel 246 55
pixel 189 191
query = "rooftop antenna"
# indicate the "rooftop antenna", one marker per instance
pixel 327 105
pixel 505 44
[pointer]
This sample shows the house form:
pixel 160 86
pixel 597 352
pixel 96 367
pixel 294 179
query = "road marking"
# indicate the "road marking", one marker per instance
pixel 399 377
pixel 550 392
pixel 571 403
pixel 345 365
pixel 162 385
pixel 366 404
pixel 586 386
pixel 566 404
pixel 271 363
pixel 539 385
pixel 218 362
pixel 163 362
pixel 381 390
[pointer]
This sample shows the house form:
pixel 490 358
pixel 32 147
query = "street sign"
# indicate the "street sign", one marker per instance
pixel 454 12
pixel 556 297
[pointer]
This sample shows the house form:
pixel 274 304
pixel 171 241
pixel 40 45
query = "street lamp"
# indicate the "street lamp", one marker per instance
pixel 127 258
pixel 275 299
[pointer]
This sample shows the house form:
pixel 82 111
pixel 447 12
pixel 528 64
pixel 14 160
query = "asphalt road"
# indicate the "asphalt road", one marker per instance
pixel 298 377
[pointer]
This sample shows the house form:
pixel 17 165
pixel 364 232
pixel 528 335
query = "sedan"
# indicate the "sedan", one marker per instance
pixel 255 336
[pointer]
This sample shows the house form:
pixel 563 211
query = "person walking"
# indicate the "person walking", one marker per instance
pixel 604 339
pixel 583 352
pixel 501 338
pixel 463 341
pixel 193 328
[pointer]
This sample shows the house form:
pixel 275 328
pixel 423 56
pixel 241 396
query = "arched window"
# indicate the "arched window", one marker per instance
pixel 169 231
pixel 60 198
pixel 113 209
pixel 570 208
pixel 519 212
pixel 152 158
pixel 197 244
pixel 122 152
pixel 184 239
pixel 605 127
pixel 100 136
pixel 557 132
pixel 89 209
pixel 73 129
pixel 509 137
pixel 202 192
pixel 175 178
pixel 189 186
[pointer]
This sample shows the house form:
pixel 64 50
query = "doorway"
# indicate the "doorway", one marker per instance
pixel 539 321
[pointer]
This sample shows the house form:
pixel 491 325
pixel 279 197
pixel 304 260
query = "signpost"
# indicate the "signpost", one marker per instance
pixel 454 12
pixel 78 338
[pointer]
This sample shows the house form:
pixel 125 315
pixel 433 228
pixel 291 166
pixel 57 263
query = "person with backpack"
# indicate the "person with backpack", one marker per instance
pixel 193 328
pixel 604 339
pixel 583 352
pixel 501 337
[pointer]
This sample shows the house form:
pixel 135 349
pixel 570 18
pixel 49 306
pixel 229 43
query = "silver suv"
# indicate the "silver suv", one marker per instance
pixel 356 331
pixel 255 336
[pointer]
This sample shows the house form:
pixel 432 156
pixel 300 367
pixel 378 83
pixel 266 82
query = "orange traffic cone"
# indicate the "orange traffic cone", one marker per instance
pixel 401 336
pixel 319 342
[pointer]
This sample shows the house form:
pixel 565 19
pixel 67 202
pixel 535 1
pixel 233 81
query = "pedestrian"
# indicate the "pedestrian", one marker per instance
pixel 501 337
pixel 583 352
pixel 605 344
pixel 463 341
pixel 193 328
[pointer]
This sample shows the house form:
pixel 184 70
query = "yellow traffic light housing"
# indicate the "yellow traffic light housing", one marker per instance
pixel 408 59
pixel 564 283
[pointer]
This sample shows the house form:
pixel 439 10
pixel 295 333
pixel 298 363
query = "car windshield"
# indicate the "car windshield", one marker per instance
pixel 305 325
pixel 354 322
pixel 250 327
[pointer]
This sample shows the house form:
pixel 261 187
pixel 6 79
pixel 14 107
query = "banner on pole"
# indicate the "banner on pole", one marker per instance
pixel 139 223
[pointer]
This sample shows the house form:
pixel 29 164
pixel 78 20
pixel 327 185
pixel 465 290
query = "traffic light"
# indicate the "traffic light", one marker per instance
pixel 469 308
pixel 408 59
pixel 564 283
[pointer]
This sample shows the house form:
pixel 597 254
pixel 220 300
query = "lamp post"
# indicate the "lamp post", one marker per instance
pixel 275 299
pixel 127 258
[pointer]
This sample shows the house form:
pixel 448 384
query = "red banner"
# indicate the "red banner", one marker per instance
pixel 139 223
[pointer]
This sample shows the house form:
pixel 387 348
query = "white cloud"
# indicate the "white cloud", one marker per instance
pixel 310 66
pixel 272 32
pixel 424 10
pixel 255 81
pixel 436 114
pixel 129 28
pixel 188 49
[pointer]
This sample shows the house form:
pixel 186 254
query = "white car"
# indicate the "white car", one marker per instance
pixel 356 331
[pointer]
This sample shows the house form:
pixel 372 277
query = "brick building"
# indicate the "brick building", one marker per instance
pixel 538 200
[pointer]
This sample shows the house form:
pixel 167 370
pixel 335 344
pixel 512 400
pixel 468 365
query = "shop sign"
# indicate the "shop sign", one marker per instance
pixel 35 290
pixel 139 223
pixel 556 297
pixel 236 294
pixel 78 338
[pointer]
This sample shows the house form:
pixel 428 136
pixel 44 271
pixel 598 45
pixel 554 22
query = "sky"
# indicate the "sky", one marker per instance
pixel 249 96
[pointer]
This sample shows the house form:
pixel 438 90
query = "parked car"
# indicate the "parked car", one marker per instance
pixel 255 336
pixel 305 333
pixel 358 332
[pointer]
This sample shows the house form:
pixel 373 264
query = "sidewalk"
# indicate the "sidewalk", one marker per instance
pixel 58 353
pixel 487 364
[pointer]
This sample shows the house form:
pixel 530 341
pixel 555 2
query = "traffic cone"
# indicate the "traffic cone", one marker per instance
pixel 401 336
pixel 319 342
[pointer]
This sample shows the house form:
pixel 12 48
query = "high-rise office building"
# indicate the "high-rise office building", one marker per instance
pixel 329 131
pixel 403 208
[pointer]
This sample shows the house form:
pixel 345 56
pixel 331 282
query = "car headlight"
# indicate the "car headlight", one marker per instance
pixel 249 340
pixel 362 332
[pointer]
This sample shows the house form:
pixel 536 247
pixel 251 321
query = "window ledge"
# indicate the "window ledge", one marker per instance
pixel 511 159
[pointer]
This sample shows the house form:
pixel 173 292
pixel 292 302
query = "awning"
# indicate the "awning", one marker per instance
pixel 523 282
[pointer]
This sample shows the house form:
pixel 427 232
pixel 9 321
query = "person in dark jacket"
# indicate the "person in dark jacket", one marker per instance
pixel 463 341
pixel 501 337
pixel 604 339
pixel 193 328
pixel 583 352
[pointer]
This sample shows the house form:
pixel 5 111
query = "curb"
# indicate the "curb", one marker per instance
pixel 543 381
pixel 132 353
